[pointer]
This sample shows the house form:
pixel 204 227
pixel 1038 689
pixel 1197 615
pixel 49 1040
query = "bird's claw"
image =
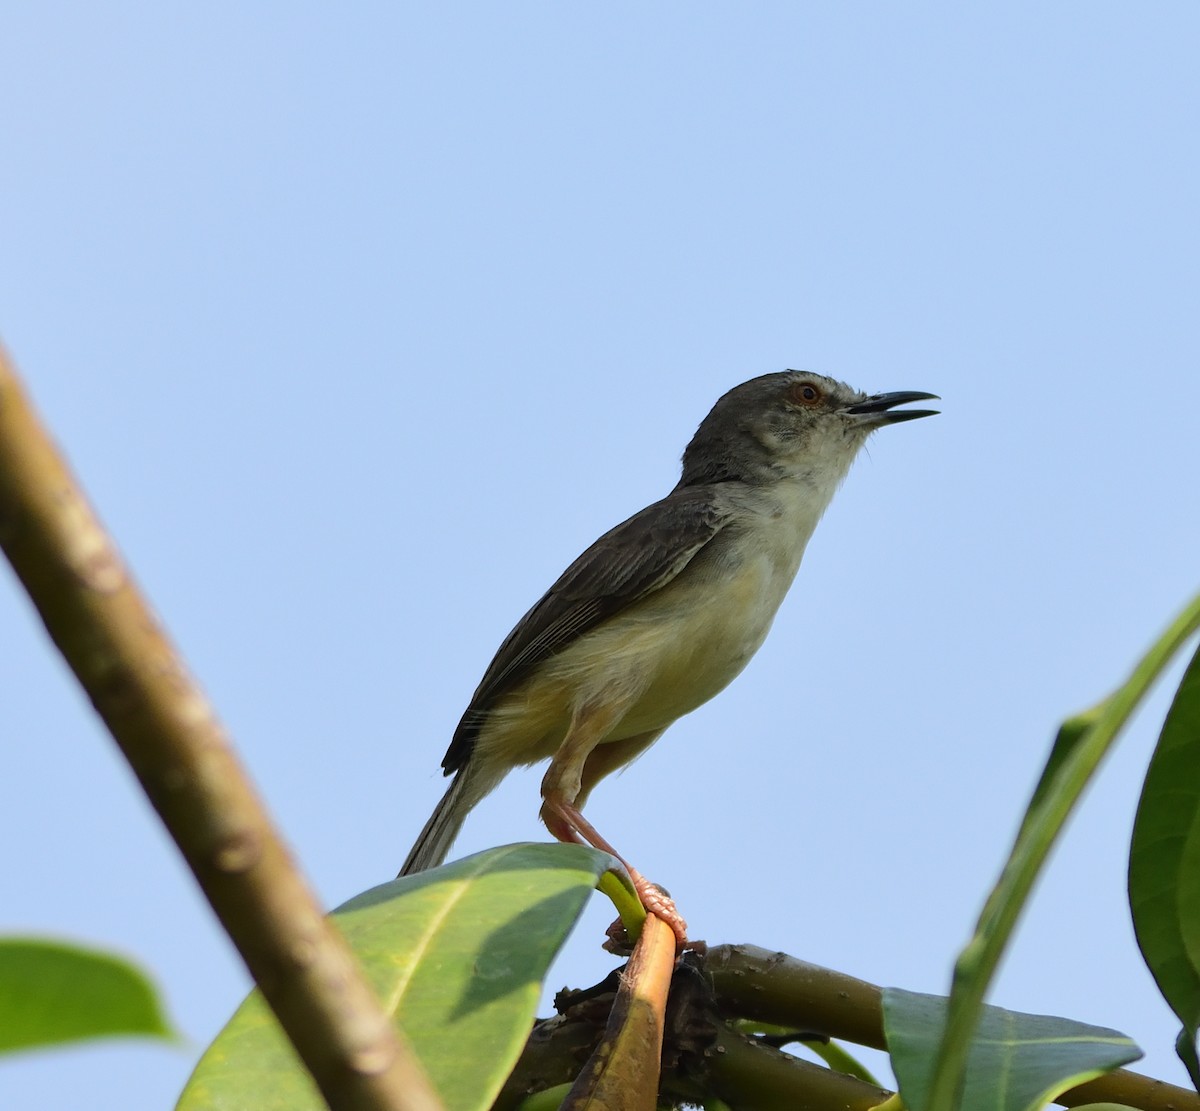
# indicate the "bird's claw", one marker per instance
pixel 662 906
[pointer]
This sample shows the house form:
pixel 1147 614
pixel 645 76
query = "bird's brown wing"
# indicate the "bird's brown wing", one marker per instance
pixel 639 556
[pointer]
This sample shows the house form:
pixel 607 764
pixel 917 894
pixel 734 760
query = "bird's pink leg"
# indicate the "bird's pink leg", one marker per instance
pixel 568 824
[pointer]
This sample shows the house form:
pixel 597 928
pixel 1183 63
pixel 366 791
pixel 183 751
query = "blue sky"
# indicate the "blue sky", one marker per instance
pixel 360 325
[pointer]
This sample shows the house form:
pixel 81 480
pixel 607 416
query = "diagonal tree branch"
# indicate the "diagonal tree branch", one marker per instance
pixel 171 737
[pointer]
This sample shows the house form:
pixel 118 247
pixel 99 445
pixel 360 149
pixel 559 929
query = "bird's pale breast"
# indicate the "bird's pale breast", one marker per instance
pixel 676 648
pixel 665 656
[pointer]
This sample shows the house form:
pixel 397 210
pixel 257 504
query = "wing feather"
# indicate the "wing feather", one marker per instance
pixel 639 556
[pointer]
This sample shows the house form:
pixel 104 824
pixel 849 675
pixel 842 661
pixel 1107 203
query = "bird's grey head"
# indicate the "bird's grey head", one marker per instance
pixel 791 424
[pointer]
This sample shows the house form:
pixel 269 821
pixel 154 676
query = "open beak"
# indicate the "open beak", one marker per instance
pixel 880 408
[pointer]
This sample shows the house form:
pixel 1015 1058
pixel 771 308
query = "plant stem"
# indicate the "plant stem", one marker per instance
pixel 171 737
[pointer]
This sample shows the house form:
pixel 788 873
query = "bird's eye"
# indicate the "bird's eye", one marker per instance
pixel 806 394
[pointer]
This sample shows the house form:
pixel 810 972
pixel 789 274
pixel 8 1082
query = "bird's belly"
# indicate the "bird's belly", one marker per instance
pixel 678 648
pixel 660 659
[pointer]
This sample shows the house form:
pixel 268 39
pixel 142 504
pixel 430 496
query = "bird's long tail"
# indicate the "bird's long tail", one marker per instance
pixel 466 789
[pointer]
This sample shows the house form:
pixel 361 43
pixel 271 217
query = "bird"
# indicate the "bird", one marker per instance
pixel 663 611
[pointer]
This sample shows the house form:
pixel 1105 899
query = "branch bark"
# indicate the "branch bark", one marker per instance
pixel 756 1077
pixel 171 737
pixel 623 1070
pixel 772 987
pixel 703 1056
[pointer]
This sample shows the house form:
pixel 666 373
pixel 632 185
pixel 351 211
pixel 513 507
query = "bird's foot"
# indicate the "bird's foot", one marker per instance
pixel 617 940
pixel 661 905
pixel 567 824
pixel 619 943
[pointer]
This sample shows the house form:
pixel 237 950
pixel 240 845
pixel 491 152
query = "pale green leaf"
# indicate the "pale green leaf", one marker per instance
pixel 1016 1062
pixel 52 992
pixel 457 954
pixel 1081 745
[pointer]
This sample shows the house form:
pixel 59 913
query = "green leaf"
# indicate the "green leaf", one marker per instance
pixel 1016 1062
pixel 51 993
pixel 1081 745
pixel 457 954
pixel 1185 1047
pixel 1164 863
pixel 1066 741
pixel 549 1099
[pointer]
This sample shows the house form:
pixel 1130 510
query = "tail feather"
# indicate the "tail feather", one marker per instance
pixel 434 842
